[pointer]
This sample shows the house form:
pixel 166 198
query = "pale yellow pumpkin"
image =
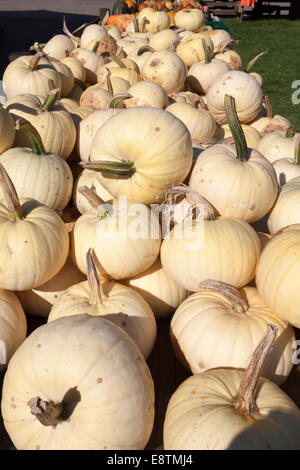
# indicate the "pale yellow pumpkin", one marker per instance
pixel 192 250
pixel 229 311
pixel 119 304
pixel 34 240
pixel 131 45
pixel 139 60
pixel 159 291
pixel 286 208
pixel 32 75
pixel 225 409
pixel 220 38
pixel 244 88
pixel 91 33
pixel 278 144
pixel 201 75
pixel 152 163
pixel 91 62
pixel 13 326
pixel 157 20
pixel 39 301
pixel 87 362
pixel 278 274
pixel 72 101
pixel 76 66
pixel 252 136
pixel 165 68
pixel 126 238
pixel 59 47
pixel 232 58
pixel 7 130
pixel 266 123
pixel 97 97
pixel 191 49
pixel 191 19
pixel 147 93
pixel 66 76
pixel 286 170
pixel 163 40
pixel 91 179
pixel 131 76
pixel 113 31
pixel 199 122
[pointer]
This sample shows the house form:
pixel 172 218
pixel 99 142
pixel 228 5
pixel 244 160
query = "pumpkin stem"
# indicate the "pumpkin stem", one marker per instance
pixel 145 49
pixel 143 24
pixel 207 52
pixel 37 46
pixel 290 132
pixel 245 400
pixel 95 286
pixel 34 62
pixel 120 169
pixel 232 297
pixel 50 100
pixel 91 196
pixel 118 99
pixel 80 84
pixel 136 25
pixel 34 136
pixel 268 106
pixel 236 129
pixel 118 61
pixel 95 46
pixel 174 44
pixel 108 81
pixel 10 196
pixel 254 60
pixel 68 33
pixel 51 414
pixel 104 21
pixel 297 150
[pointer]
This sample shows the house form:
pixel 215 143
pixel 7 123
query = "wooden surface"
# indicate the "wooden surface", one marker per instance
pixel 167 374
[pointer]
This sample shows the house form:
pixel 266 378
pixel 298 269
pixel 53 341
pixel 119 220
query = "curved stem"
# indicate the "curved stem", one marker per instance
pixel 143 24
pixel 136 25
pixel 121 169
pixel 245 400
pixel 232 297
pixel 47 412
pixel 143 49
pixel 95 287
pixel 80 83
pixel 253 61
pixel 34 62
pixel 10 196
pixel 206 51
pixel 268 106
pixel 50 100
pixel 104 21
pixel 35 138
pixel 108 81
pixel 236 129
pixel 68 33
pixel 117 99
pixel 118 61
pixel 91 196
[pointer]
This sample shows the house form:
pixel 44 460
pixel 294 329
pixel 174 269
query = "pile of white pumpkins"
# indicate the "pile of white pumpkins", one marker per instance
pixel 149 117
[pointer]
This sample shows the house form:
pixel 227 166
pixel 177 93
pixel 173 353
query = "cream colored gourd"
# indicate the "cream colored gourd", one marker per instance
pixel 115 85
pixel 286 170
pixel 91 62
pixel 78 70
pixel 232 58
pixel 91 33
pixel 66 76
pixel 28 74
pixel 191 19
pixel 258 78
pixel 225 409
pixel 91 179
pixel 191 49
pixel 269 123
pixel 201 75
pixel 7 130
pixel 121 227
pixel 34 240
pixel 252 136
pixel 238 182
pixel 159 291
pixel 157 20
pixel 39 301
pixel 244 312
pixel 111 300
pixel 278 144
pixel 278 274
pixel 146 93
pixel 113 31
pixel 38 175
pixel 59 47
pixel 165 68
pixel 51 120
pixel 13 326
pixel 88 128
pixel 97 97
pixel 77 366
pixel 139 60
pixel 220 38
pixel 132 45
pixel 286 208
pixel 131 76
pixel 244 88
pixel 149 145
pixel 163 40
pixel 192 251
pixel 199 122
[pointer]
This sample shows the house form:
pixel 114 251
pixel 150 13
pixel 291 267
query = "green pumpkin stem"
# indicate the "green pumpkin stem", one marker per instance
pixel 80 83
pixel 50 100
pixel 232 297
pixel 118 99
pixel 10 195
pixel 207 51
pixel 143 49
pixel 95 286
pixel 290 132
pixel 95 46
pixel 297 150
pixel 236 129
pixel 37 46
pixel 136 25
pixel 268 106
pixel 35 138
pixel 116 169
pixel 245 400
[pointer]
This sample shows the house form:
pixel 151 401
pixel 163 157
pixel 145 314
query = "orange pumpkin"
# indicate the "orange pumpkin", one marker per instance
pixel 121 21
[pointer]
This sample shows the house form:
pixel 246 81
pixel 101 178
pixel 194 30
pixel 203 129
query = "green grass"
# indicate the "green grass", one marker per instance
pixel 280 67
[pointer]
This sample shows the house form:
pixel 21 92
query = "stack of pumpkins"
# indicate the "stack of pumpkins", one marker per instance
pixel 143 175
